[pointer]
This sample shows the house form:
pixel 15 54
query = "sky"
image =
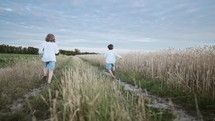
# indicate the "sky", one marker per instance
pixel 90 25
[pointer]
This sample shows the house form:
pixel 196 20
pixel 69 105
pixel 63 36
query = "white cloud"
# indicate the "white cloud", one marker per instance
pixel 63 30
pixel 29 27
pixel 99 23
pixel 191 10
pixel 179 6
pixel 100 50
pixel 84 49
pixel 144 40
pixel 77 40
pixel 28 8
pixel 37 41
pixel 8 9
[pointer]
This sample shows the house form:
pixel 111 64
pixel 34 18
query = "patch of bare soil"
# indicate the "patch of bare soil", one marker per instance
pixel 21 102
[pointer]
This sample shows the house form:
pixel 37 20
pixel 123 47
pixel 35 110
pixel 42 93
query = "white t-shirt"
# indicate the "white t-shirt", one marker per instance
pixel 48 50
pixel 110 56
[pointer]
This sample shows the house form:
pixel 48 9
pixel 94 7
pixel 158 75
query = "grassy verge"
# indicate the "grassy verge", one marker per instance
pixel 18 79
pixel 39 106
pixel 35 106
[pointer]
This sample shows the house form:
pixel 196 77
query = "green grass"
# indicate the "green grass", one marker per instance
pixel 154 114
pixel 160 115
pixel 11 59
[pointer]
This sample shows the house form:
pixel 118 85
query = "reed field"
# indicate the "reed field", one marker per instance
pixel 191 70
pixel 185 76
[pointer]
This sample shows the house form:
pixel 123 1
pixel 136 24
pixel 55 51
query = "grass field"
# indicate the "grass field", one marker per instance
pixel 10 59
pixel 17 73
pixel 78 92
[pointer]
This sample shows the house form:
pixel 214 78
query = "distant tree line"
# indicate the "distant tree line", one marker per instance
pixel 32 50
pixel 18 50
pixel 75 52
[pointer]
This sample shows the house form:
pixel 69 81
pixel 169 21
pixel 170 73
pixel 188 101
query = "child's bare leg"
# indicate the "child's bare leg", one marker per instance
pixel 114 68
pixel 50 76
pixel 45 70
pixel 111 73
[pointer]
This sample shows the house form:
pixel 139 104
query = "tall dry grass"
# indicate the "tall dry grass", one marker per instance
pixel 191 70
pixel 22 71
pixel 86 95
pixel 18 79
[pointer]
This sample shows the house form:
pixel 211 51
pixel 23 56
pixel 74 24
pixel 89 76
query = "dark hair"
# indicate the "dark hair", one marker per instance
pixel 110 47
pixel 50 38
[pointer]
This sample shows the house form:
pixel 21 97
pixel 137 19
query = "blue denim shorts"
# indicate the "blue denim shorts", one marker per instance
pixel 109 66
pixel 50 65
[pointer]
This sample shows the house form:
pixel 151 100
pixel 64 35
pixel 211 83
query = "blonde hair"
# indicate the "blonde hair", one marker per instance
pixel 50 38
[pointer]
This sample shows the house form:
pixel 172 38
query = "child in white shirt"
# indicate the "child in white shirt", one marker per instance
pixel 47 51
pixel 110 57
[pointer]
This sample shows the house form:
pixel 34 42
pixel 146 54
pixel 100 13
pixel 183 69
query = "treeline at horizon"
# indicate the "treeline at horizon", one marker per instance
pixel 33 50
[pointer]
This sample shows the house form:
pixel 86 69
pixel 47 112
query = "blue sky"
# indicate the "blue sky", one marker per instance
pixel 90 25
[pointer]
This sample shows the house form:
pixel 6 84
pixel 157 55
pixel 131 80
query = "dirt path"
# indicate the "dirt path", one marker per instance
pixel 157 102
pixel 18 104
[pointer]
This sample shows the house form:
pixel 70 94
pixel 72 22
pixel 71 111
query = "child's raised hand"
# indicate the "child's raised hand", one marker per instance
pixel 121 59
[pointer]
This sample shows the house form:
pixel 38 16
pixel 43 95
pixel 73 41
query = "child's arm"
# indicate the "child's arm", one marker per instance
pixel 116 54
pixel 56 50
pixel 41 50
pixel 105 55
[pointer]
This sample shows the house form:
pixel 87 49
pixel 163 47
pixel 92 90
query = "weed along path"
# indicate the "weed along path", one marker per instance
pixel 157 102
pixel 20 107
